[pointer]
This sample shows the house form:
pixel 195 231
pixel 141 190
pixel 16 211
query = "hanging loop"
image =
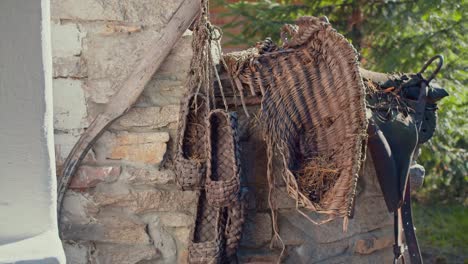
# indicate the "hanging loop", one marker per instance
pixel 215 32
pixel 429 62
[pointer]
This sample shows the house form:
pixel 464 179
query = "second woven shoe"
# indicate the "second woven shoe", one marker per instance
pixel 222 177
pixel 207 242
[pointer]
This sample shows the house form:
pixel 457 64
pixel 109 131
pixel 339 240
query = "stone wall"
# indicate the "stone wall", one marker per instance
pixel 123 206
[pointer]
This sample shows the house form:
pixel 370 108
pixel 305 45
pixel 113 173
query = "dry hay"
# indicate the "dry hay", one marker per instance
pixel 317 177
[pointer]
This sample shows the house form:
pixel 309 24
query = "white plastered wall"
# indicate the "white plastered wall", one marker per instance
pixel 28 225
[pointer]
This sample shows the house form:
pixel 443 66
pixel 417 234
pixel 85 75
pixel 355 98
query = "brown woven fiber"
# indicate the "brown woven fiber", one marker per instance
pixel 207 242
pixel 313 111
pixel 222 178
pixel 234 225
pixel 191 154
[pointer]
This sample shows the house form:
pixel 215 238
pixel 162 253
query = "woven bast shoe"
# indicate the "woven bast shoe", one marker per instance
pixel 234 224
pixel 222 177
pixel 191 152
pixel 207 242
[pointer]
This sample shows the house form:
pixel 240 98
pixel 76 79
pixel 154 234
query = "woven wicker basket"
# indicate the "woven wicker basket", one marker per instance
pixel 191 152
pixel 222 178
pixel 313 111
pixel 207 241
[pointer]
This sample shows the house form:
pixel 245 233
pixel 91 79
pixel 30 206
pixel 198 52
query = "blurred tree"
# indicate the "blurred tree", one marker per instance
pixel 391 36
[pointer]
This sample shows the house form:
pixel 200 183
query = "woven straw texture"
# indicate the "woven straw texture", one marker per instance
pixel 313 111
pixel 191 154
pixel 207 243
pixel 222 178
pixel 234 226
pixel 207 147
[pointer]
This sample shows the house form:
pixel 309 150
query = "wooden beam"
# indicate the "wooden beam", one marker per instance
pixel 233 102
pixel 377 77
pixel 129 91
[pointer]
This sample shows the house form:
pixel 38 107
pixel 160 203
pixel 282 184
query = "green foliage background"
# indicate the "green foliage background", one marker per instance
pixel 391 36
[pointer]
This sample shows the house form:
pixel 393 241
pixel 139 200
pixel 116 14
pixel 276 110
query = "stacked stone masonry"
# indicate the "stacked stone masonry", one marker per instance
pixel 123 205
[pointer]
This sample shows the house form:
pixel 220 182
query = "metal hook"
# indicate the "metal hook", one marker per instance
pixel 439 66
pixel 325 19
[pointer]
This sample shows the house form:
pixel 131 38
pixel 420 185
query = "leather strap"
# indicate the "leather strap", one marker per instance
pixel 405 215
pixel 408 227
pixel 398 247
pixel 404 212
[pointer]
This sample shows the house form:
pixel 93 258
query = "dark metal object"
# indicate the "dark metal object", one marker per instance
pixel 405 212
pixel 429 62
pixel 394 139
